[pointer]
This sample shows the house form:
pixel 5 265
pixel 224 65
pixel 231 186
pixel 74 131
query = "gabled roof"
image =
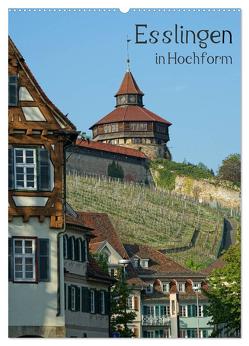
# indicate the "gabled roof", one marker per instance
pixel 103 230
pixel 128 85
pixel 110 148
pixel 131 113
pixel 158 262
pixel 15 53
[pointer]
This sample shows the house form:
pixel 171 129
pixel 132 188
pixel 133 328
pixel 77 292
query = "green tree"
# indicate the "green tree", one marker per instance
pixel 224 294
pixel 230 169
pixel 102 261
pixel 120 316
pixel 115 170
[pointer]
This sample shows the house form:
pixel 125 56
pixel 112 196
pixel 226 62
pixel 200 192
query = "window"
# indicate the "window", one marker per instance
pixel 102 302
pixel 192 310
pixel 165 287
pixel 29 169
pixel 92 302
pixel 135 262
pixel 130 302
pixel 191 333
pixel 25 169
pixel 181 287
pixel 138 126
pixel 149 288
pixel 13 90
pixel 167 310
pixel 196 286
pixel 183 310
pixel 114 127
pixel 73 298
pixel 24 260
pixel 200 310
pixel 144 263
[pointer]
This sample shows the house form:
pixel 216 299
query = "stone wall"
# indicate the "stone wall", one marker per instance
pixel 82 161
pixel 205 191
pixel 152 151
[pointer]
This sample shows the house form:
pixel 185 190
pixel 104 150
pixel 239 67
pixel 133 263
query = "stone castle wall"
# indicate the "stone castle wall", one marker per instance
pixel 152 151
pixel 83 161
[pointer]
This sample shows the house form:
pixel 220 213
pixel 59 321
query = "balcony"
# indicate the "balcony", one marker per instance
pixel 148 320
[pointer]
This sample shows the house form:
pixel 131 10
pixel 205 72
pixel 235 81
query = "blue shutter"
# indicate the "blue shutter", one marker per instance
pixel 13 90
pixel 43 253
pixel 194 309
pixel 44 179
pixel 11 169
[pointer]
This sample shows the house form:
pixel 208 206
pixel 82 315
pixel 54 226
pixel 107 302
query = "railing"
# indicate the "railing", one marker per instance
pixel 155 320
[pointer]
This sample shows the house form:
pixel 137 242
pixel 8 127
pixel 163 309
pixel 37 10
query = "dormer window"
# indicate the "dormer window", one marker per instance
pixel 166 287
pixel 144 263
pixel 149 288
pixel 196 286
pixel 181 287
pixel 135 262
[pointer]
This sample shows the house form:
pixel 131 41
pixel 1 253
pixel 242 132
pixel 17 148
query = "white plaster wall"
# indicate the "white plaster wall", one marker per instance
pixel 35 304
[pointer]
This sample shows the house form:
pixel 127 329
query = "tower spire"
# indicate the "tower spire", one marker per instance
pixel 127 53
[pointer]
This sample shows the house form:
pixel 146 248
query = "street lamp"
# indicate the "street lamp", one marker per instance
pixel 197 290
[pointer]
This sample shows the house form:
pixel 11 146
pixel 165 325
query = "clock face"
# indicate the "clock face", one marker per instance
pixel 132 98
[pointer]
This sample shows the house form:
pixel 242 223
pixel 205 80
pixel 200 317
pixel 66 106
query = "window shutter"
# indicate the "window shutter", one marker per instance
pixel 43 251
pixel 65 241
pixel 69 248
pixel 69 296
pixel 83 249
pixel 10 267
pixel 85 299
pixel 77 298
pixel 76 249
pixel 190 311
pixel 13 90
pixel 107 303
pixel 194 309
pixel 44 179
pixel 136 307
pixel 11 169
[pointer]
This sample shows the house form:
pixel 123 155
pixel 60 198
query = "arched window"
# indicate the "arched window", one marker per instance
pixel 84 251
pixel 65 246
pixel 71 248
pixel 78 250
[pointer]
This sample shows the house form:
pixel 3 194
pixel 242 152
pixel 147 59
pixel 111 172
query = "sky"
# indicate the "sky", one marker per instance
pixel 79 59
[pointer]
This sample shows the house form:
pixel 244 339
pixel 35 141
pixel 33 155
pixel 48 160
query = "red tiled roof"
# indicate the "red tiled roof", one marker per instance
pixel 159 263
pixel 103 230
pixel 110 148
pixel 129 85
pixel 131 113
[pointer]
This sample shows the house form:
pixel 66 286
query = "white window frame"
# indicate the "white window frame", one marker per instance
pixel 167 286
pixel 181 287
pixel 200 310
pixel 23 256
pixel 144 263
pixel 102 302
pixel 92 301
pixel 25 165
pixel 73 298
pixel 168 310
pixel 183 310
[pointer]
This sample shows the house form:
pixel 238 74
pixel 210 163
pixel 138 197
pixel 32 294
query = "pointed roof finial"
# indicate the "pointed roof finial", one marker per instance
pixel 127 51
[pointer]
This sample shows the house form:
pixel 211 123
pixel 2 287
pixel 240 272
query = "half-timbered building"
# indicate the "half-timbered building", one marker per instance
pixel 38 136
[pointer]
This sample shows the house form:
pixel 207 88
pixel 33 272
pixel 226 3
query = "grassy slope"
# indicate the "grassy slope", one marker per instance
pixel 149 216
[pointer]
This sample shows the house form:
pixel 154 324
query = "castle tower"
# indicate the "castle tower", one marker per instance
pixel 132 125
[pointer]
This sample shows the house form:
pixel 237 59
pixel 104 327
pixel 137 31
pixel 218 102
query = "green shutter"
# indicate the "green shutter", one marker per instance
pixel 10 266
pixel 83 249
pixel 77 298
pixel 13 90
pixel 44 179
pixel 76 249
pixel 11 169
pixel 69 248
pixel 43 259
pixel 85 299
pixel 97 302
pixel 69 300
pixel 194 308
pixel 190 314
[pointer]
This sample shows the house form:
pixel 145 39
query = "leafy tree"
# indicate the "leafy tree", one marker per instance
pixel 224 294
pixel 102 261
pixel 120 317
pixel 230 169
pixel 115 170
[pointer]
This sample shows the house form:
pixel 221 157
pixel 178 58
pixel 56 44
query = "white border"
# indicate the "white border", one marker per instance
pixel 124 5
